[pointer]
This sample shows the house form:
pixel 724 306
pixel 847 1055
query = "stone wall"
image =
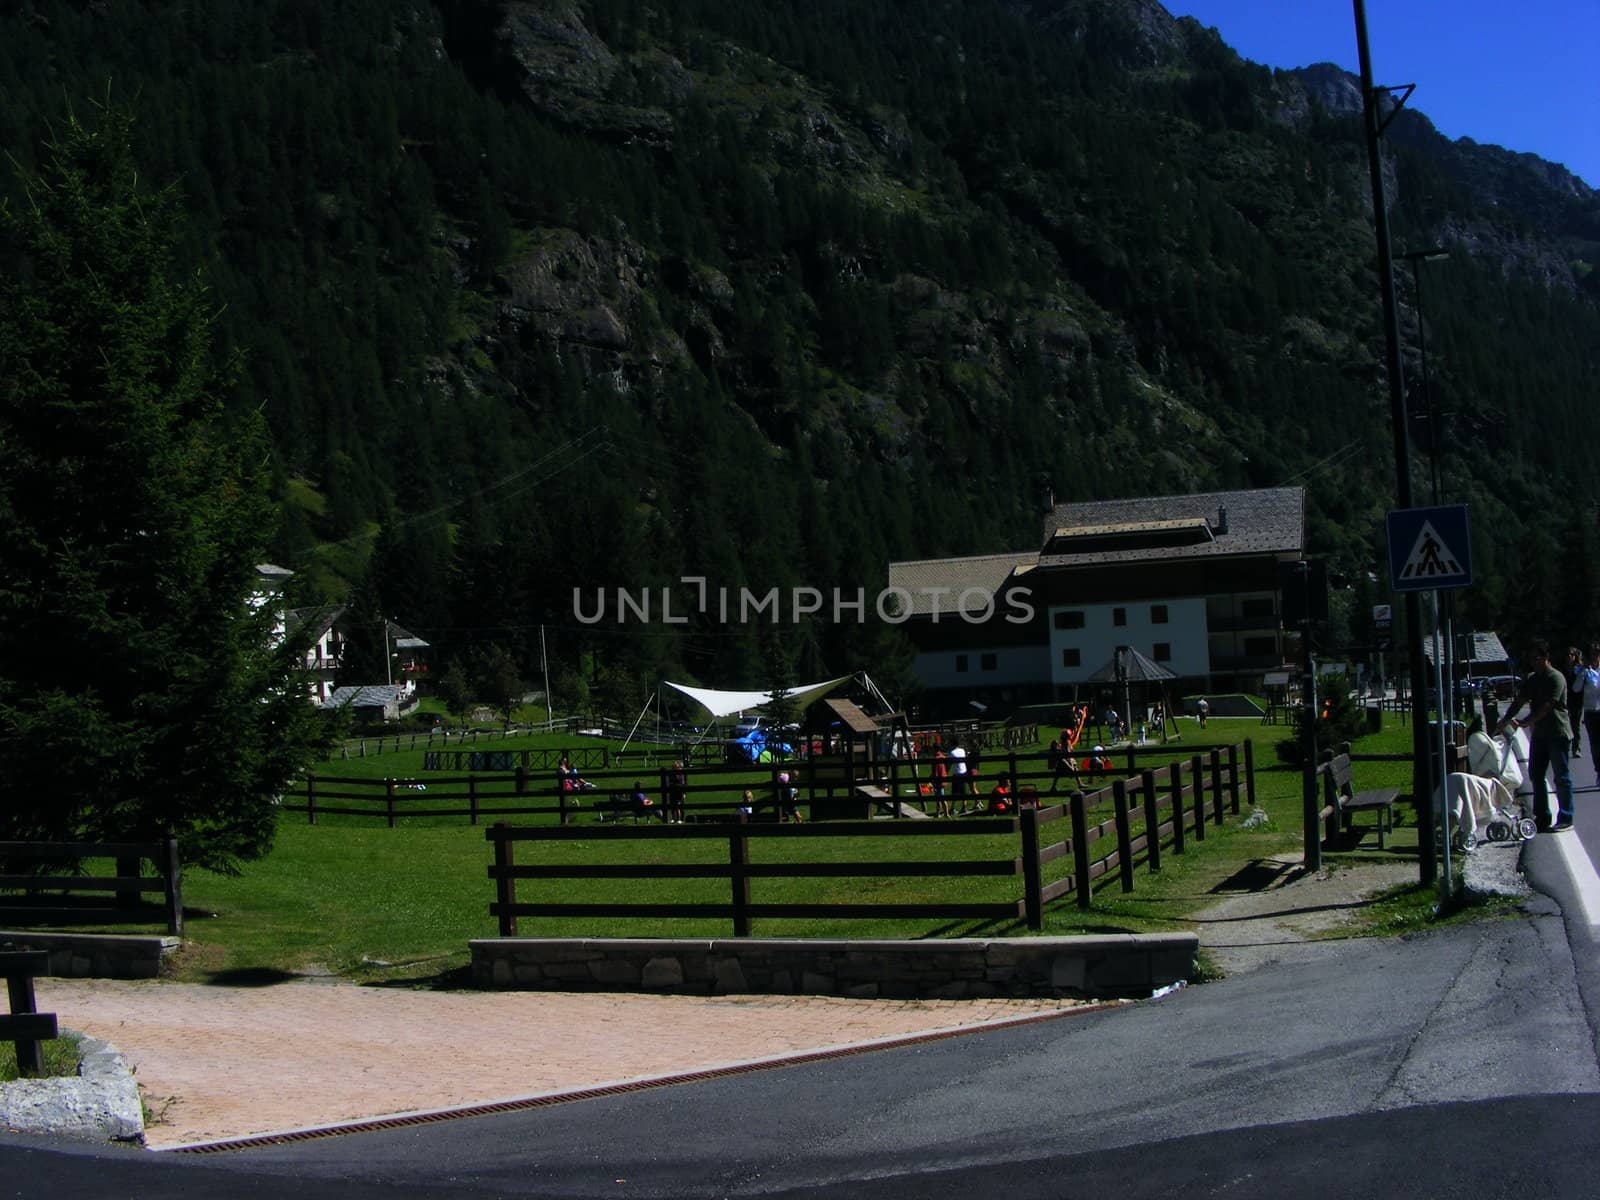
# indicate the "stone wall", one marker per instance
pixel 1122 965
pixel 95 955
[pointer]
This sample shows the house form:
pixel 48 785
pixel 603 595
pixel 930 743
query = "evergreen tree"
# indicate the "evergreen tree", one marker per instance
pixel 141 694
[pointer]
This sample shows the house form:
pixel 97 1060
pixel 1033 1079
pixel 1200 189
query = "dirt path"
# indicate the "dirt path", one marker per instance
pixel 1275 923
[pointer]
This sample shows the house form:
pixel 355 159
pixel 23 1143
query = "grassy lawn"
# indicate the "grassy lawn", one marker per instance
pixel 353 897
pixel 60 1058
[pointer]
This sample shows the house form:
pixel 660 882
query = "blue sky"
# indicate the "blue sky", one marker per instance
pixel 1520 75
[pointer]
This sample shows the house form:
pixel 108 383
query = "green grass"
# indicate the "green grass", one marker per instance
pixel 1416 906
pixel 60 1058
pixel 355 898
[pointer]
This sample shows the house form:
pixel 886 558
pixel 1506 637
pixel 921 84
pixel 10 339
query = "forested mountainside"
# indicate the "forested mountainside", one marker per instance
pixel 605 292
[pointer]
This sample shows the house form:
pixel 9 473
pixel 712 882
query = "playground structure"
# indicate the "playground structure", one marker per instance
pixel 846 773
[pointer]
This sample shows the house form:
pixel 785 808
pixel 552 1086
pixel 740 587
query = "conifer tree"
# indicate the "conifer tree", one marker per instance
pixel 142 690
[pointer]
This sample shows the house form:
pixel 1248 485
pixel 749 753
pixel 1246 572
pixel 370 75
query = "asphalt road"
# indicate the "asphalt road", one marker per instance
pixel 1455 1063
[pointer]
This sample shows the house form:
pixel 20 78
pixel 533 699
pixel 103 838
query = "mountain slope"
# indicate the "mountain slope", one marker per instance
pixel 547 293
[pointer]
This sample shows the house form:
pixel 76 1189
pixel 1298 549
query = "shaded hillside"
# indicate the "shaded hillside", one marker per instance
pixel 559 292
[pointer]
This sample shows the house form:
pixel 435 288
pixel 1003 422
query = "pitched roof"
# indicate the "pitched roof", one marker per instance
pixel 936 584
pixel 1139 669
pixel 372 695
pixel 1486 647
pixel 1259 521
pixel 319 616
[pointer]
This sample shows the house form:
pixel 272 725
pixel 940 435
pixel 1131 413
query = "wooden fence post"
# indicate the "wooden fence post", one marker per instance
pixel 1119 800
pixel 1250 773
pixel 1152 820
pixel 505 887
pixel 1032 901
pixel 1080 850
pixel 1175 782
pixel 311 798
pixel 561 801
pixel 128 868
pixel 472 798
pixel 737 858
pixel 1233 778
pixel 1197 777
pixel 21 966
pixel 388 788
pixel 172 870
pixel 1216 786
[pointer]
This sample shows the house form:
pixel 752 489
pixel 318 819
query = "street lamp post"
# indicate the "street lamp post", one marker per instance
pixel 1421 768
pixel 1435 436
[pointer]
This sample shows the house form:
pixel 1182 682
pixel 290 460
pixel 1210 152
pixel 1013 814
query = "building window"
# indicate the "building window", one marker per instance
pixel 1119 616
pixel 1071 658
pixel 1260 647
pixel 1069 619
pixel 961 662
pixel 987 662
pixel 1158 614
pixel 1161 652
pixel 1257 608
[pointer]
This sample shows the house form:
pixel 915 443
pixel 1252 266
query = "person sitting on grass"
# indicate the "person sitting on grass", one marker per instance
pixel 1000 799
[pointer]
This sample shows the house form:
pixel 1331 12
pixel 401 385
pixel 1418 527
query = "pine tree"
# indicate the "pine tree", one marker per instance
pixel 141 693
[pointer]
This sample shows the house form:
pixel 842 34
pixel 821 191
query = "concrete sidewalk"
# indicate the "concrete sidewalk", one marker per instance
pixel 216 1063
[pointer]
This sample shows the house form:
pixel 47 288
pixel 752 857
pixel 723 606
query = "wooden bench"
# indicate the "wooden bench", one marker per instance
pixel 25 1026
pixel 622 804
pixel 1342 803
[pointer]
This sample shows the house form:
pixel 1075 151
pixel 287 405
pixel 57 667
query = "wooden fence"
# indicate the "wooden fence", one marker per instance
pixel 713 790
pixel 29 896
pixel 1155 808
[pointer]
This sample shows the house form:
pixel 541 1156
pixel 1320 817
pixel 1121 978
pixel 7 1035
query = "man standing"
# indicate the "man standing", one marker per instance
pixel 1545 693
pixel 958 776
pixel 1202 710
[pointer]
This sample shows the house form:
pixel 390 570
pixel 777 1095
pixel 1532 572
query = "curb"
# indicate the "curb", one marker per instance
pixel 1559 866
pixel 100 1105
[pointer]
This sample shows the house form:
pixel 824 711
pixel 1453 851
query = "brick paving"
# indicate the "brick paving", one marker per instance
pixel 225 1062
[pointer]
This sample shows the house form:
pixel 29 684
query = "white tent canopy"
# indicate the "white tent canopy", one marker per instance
pixel 721 703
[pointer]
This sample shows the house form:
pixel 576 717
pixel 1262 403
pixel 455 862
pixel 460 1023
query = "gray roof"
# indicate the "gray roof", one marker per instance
pixel 1261 521
pixel 985 572
pixel 1140 670
pixel 372 695
pixel 1264 521
pixel 1486 647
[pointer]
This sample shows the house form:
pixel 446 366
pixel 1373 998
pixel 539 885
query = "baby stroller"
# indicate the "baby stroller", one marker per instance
pixel 1500 760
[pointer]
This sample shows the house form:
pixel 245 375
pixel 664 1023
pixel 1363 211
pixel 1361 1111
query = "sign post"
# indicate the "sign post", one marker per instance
pixel 1430 550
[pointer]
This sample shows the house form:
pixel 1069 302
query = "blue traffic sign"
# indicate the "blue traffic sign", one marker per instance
pixel 1429 548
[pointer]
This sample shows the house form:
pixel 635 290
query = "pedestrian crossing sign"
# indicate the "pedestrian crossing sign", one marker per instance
pixel 1429 548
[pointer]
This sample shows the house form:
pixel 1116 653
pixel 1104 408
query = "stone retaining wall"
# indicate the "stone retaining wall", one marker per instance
pixel 1120 965
pixel 95 955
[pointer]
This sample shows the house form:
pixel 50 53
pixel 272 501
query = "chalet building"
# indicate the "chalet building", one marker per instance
pixel 329 633
pixel 1191 582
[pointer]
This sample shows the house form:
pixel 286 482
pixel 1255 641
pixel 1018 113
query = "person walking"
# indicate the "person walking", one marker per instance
pixel 1591 704
pixel 1575 689
pixel 1544 691
pixel 1202 710
pixel 941 783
